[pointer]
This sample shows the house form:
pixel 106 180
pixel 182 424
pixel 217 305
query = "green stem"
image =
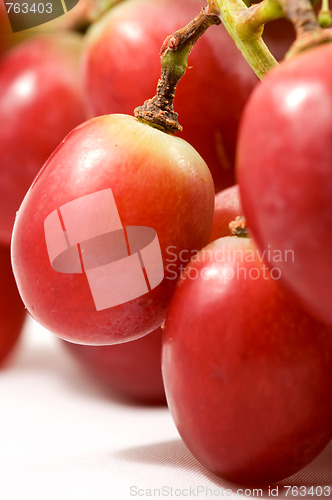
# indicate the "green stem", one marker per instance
pixel 325 5
pixel 253 19
pixel 324 15
pixel 245 27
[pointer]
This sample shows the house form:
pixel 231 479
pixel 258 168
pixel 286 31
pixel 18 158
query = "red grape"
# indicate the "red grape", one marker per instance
pixel 131 369
pixel 227 207
pixel 110 171
pixel 40 102
pixel 247 372
pixel 285 174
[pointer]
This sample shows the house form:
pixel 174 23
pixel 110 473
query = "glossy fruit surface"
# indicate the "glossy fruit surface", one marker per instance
pixel 40 102
pixel 247 372
pixel 149 180
pixel 12 311
pixel 227 207
pixel 132 369
pixel 122 67
pixel 285 174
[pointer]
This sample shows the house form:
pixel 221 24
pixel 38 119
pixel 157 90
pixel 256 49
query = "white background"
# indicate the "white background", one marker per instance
pixel 64 437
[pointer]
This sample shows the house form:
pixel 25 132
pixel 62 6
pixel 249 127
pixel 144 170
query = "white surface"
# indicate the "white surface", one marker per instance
pixel 63 437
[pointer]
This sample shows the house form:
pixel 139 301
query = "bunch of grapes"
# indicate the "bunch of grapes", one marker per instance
pixel 179 245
